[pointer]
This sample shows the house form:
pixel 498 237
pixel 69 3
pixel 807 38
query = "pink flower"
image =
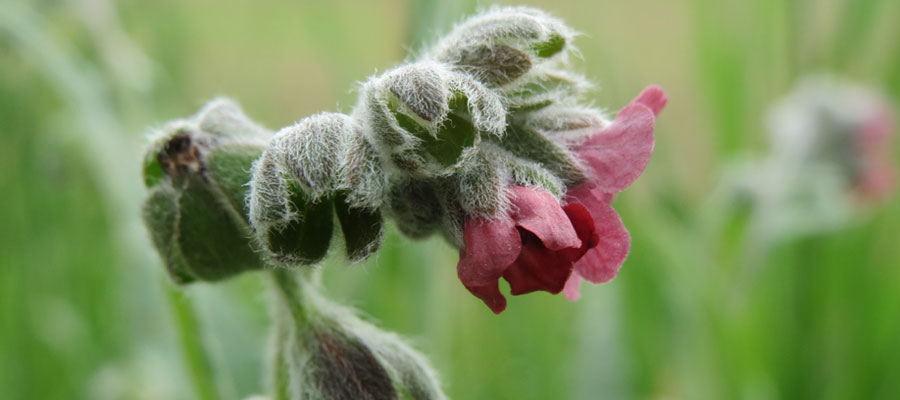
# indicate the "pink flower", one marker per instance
pixel 534 247
pixel 614 156
pixel 542 245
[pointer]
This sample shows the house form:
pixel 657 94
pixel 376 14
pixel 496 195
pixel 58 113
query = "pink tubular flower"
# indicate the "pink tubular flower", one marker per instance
pixel 534 247
pixel 542 245
pixel 615 156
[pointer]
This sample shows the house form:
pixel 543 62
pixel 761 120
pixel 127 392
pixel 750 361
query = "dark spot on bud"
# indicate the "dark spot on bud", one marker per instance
pixel 181 155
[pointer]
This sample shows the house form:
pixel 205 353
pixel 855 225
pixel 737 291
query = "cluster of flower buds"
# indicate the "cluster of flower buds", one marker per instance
pixel 486 140
pixel 831 152
pixel 197 171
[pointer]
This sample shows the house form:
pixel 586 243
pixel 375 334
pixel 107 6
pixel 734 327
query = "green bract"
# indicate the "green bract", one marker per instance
pixel 197 172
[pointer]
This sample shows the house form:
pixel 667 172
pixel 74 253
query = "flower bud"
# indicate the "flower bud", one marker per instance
pixel 313 150
pixel 311 170
pixel 426 120
pixel 195 210
pixel 324 351
pixel 503 44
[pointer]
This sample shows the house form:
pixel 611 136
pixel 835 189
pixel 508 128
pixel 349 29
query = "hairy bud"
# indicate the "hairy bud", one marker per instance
pixel 426 120
pixel 503 44
pixel 324 351
pixel 569 124
pixel 313 150
pixel 309 171
pixel 197 170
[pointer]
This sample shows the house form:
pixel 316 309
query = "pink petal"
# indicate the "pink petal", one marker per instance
pixel 583 222
pixel 619 153
pixel 490 247
pixel 539 213
pixel 539 268
pixel 586 190
pixel 602 263
pixel 653 97
pixel 571 290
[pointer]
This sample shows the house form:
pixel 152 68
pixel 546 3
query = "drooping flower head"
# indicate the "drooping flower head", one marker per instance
pixel 485 139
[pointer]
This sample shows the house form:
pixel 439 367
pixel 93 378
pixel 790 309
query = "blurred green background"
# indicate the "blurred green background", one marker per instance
pixel 86 311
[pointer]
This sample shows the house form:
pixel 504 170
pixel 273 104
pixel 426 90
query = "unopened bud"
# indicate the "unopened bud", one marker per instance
pixel 422 88
pixel 195 210
pixel 314 149
pixel 324 351
pixel 503 44
pixel 310 170
pixel 426 120
pixel 294 227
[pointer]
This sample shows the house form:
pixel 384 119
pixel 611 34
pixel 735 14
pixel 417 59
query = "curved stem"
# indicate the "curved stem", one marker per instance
pixel 293 291
pixel 291 311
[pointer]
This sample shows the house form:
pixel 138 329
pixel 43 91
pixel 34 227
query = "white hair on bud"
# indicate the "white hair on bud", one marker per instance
pixel 545 86
pixel 481 183
pixel 223 117
pixel 379 126
pixel 362 174
pixel 314 149
pixel 567 125
pixel 484 41
pixel 269 198
pixel 422 90
pixel 532 174
pixel 485 107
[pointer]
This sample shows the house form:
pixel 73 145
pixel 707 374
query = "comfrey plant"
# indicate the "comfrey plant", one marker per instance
pixel 485 139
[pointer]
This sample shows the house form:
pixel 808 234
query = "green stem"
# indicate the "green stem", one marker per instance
pixel 292 311
pixel 293 293
pixel 191 341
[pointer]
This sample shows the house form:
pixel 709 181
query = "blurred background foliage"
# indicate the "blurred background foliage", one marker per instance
pixel 87 312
